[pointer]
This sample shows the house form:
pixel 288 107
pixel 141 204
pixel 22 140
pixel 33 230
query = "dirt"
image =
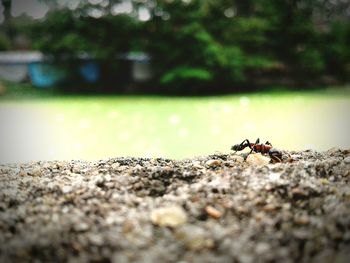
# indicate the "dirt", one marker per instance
pixel 215 208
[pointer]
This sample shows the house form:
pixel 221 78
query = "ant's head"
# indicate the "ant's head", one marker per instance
pixel 238 147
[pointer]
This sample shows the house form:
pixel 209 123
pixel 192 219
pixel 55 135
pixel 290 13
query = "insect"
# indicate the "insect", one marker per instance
pixel 264 148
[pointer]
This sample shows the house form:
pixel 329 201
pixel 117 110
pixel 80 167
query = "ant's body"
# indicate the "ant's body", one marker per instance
pixel 263 148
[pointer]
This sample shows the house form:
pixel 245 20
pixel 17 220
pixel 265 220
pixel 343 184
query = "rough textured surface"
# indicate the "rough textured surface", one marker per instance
pixel 235 211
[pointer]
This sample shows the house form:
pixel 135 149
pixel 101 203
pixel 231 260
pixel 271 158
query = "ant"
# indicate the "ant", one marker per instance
pixel 264 148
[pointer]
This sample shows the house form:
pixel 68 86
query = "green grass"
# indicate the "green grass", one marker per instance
pixel 175 127
pixel 24 91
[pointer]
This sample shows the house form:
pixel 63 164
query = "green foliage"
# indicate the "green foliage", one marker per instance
pixel 336 50
pixel 206 43
pixel 186 73
pixel 5 43
pixel 311 61
pixel 62 33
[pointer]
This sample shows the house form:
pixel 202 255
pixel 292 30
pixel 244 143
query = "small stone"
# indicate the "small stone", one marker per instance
pixel 324 181
pixel 245 258
pixel 66 189
pixel 259 201
pixel 347 159
pixel 115 165
pixel 36 172
pixel 76 246
pixel 286 206
pixel 95 239
pixel 270 207
pixel 193 237
pixel 242 210
pixel 274 177
pixel 108 177
pixel 74 174
pixel 138 167
pixel 128 226
pixel 22 173
pixel 262 248
pixel 81 227
pixel 302 234
pixel 213 163
pixel 100 181
pixel 316 203
pixel 213 212
pixel 286 226
pixel 259 216
pixel 301 219
pixel 257 159
pixel 299 192
pixel 171 216
pixel 197 165
pixel 120 257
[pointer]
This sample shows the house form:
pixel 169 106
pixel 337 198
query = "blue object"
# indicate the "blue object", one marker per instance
pixel 45 75
pixel 90 71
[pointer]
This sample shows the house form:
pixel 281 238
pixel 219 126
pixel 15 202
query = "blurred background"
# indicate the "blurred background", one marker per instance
pixel 93 79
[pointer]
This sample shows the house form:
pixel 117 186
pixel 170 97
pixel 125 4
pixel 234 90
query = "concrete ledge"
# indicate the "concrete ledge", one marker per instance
pixel 214 208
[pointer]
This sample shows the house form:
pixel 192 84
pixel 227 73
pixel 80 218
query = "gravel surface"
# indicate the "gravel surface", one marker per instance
pixel 216 208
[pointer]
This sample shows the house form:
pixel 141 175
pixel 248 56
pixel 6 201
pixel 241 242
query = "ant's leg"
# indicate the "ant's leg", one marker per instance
pixel 247 141
pixel 276 156
pixel 251 149
pixel 244 144
pixel 268 143
pixel 275 159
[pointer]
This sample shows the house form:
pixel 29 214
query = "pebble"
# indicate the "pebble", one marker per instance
pixel 262 248
pixel 22 173
pixel 287 206
pixel 115 165
pixel 270 207
pixel 172 216
pixel 197 165
pixel 299 192
pixel 213 212
pixel 193 237
pixel 274 177
pixel 347 159
pixel 66 189
pixel 301 219
pixel 213 163
pixel 257 159
pixel 81 227
pixel 36 172
pixel 138 167
pixel 95 239
pixel 301 234
pixel 324 181
pixel 128 226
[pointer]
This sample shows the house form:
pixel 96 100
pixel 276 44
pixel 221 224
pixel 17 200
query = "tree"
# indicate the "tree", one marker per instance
pixel 200 44
pixel 6 36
